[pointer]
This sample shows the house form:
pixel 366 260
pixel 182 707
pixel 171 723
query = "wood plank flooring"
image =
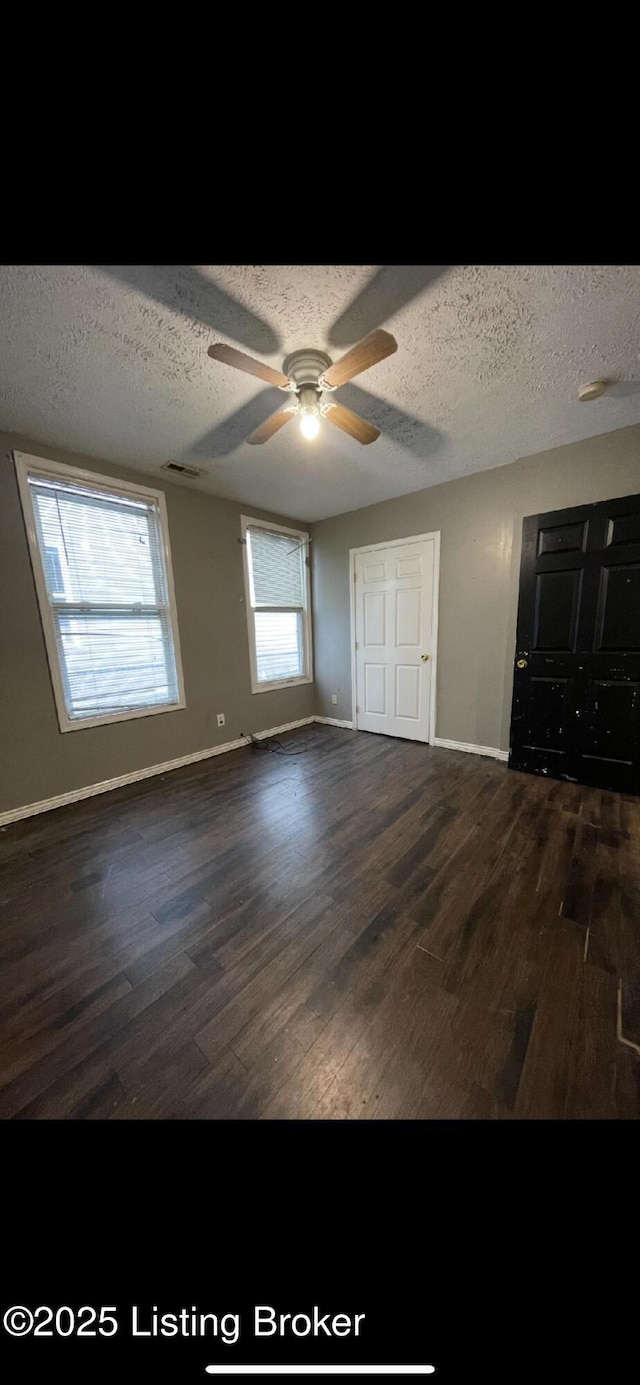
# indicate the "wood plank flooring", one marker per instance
pixel 359 928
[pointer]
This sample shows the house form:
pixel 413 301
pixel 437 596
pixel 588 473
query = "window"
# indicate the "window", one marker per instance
pixel 102 568
pixel 277 604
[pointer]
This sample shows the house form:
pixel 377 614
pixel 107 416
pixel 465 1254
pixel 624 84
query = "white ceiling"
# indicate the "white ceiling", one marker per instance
pixel 112 362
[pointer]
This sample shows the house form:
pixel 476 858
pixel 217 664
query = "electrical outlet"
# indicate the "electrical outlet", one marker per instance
pixel 220 718
pixel 334 698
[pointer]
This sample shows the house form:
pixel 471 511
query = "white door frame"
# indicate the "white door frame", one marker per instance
pixel 395 543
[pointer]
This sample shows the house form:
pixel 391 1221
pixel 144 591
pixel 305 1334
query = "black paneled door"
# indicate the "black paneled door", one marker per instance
pixel 576 689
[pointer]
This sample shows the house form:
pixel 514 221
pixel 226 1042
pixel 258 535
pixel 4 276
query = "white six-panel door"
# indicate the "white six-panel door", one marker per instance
pixel 394 609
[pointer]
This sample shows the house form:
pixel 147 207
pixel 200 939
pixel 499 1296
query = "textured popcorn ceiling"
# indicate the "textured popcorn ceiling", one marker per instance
pixel 112 362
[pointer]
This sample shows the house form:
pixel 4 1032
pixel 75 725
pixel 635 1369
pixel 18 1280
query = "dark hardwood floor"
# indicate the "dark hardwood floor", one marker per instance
pixel 368 929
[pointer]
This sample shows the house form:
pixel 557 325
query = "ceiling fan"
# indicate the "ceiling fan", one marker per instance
pixel 310 375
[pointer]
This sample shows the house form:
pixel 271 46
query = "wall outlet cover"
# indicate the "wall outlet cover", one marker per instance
pixel 334 698
pixel 220 718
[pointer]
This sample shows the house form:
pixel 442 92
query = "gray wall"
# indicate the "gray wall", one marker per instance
pixel 36 760
pixel 480 519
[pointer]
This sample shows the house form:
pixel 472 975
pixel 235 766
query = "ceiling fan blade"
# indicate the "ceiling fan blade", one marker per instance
pixel 352 424
pixel 229 356
pixel 368 352
pixel 271 425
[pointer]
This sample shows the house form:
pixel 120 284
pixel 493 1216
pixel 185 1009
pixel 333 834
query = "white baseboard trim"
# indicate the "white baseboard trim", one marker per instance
pixel 31 809
pixel 333 721
pixel 47 804
pixel 276 731
pixel 471 749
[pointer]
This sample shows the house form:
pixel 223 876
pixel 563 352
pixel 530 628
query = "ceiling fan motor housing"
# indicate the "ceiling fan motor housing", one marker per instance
pixel 306 368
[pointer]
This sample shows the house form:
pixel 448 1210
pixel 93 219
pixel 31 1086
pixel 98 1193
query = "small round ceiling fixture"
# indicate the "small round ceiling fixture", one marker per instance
pixel 593 390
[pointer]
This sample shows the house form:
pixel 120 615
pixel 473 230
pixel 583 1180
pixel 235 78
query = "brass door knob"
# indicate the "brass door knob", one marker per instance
pixel 521 663
pixel 424 658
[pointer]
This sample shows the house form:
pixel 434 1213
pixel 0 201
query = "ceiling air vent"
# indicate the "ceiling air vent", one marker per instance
pixel 181 470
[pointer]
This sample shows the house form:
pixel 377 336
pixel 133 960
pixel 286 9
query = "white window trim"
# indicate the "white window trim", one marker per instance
pixel 307 641
pixel 25 463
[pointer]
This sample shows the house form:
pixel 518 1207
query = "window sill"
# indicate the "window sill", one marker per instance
pixel 87 722
pixel 281 683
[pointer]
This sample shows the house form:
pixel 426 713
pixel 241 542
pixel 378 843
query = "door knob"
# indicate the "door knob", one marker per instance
pixel 521 663
pixel 424 658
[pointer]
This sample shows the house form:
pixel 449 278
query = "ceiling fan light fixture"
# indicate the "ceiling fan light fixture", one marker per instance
pixel 309 425
pixel 309 408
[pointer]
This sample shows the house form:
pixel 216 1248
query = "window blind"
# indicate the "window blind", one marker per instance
pixel 278 601
pixel 276 567
pixel 103 562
